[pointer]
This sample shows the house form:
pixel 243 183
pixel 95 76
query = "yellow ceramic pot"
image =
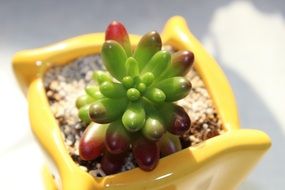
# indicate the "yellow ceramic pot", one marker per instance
pixel 219 163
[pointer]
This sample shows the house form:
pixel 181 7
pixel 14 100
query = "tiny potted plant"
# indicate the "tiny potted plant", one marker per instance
pixel 132 108
pixel 135 96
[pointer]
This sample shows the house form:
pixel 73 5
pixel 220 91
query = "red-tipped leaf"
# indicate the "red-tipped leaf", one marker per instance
pixel 146 153
pixel 91 143
pixel 117 31
pixel 181 62
pixel 117 138
pixel 112 164
pixel 149 44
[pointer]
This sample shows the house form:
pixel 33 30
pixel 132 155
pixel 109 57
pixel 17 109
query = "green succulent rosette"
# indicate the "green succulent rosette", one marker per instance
pixel 134 101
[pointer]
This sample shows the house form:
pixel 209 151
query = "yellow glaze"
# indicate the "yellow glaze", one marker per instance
pixel 219 163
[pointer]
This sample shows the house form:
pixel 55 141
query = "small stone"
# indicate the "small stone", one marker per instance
pixel 101 172
pixel 78 126
pixel 70 140
pixel 62 93
pixel 205 126
pixel 94 173
pixel 88 76
pixel 49 93
pixel 83 168
pixel 54 85
pixel 56 96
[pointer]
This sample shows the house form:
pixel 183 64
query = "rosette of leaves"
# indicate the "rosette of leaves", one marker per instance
pixel 130 107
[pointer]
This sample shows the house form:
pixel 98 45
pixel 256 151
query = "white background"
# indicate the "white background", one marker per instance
pixel 246 37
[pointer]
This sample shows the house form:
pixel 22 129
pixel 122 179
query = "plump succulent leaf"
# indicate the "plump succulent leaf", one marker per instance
pixel 149 44
pixel 93 91
pixel 153 128
pixel 92 141
pixel 101 76
pixel 156 95
pixel 181 62
pixel 133 94
pixel 107 110
pixel 158 63
pixel 128 82
pixel 175 88
pixel 149 106
pixel 83 113
pixel 112 164
pixel 147 78
pixel 114 58
pixel 134 117
pixel 180 122
pixel 176 118
pixel 141 87
pixel 132 67
pixel 83 100
pixel 117 32
pixel 112 89
pixel 146 153
pixel 117 138
pixel 169 144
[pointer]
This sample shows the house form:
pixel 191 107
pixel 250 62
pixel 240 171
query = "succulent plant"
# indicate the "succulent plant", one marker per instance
pixel 131 106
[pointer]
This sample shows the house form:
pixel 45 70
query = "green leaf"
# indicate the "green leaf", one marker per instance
pixel 149 106
pixel 153 128
pixel 147 78
pixel 83 114
pixel 181 62
pixel 133 94
pixel 158 63
pixel 132 67
pixel 128 82
pixel 134 117
pixel 101 76
pixel 112 90
pixel 166 112
pixel 149 44
pixel 107 110
pixel 117 31
pixel 93 91
pixel 84 100
pixel 114 58
pixel 156 95
pixel 141 87
pixel 175 88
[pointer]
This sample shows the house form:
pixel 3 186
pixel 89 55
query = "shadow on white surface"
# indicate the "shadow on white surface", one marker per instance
pixel 252 62
pixel 255 114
